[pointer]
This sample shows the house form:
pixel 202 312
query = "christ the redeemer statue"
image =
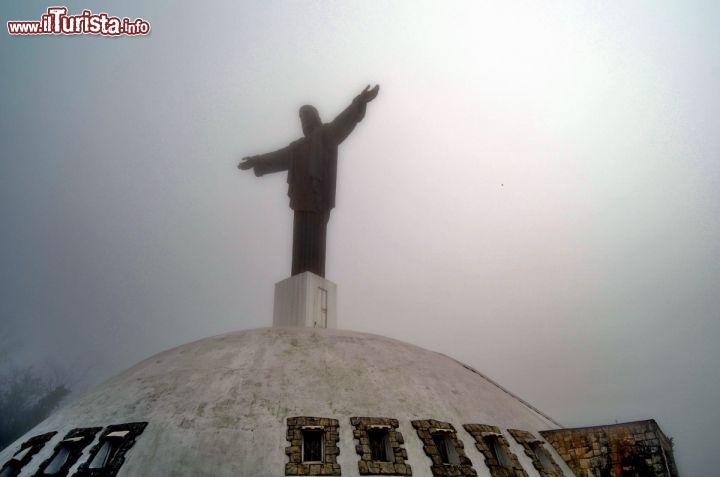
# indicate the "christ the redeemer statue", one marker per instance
pixel 311 162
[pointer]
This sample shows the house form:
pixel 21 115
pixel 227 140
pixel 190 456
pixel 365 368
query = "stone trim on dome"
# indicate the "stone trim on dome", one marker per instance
pixel 481 433
pixel 329 465
pixel 127 433
pixel 366 466
pixel 76 440
pixel 533 446
pixel 32 446
pixel 426 428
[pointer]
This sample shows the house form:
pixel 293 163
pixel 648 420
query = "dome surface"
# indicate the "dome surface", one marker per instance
pixel 220 406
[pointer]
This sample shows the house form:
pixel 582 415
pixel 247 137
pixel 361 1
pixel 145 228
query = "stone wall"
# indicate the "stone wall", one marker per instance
pixel 425 429
pixel 366 466
pixel 480 433
pixel 329 465
pixel 535 449
pixel 634 448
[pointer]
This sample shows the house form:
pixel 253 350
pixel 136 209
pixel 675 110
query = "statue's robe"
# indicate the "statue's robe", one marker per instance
pixel 311 163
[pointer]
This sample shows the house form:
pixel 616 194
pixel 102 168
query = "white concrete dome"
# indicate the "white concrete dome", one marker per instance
pixel 220 406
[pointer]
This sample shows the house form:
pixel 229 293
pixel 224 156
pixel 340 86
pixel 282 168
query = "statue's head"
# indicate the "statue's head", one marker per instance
pixel 309 118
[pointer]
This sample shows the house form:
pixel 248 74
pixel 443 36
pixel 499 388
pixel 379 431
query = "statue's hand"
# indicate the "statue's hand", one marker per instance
pixel 246 163
pixel 368 94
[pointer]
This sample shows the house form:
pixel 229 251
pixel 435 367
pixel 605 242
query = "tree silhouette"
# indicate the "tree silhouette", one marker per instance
pixel 25 400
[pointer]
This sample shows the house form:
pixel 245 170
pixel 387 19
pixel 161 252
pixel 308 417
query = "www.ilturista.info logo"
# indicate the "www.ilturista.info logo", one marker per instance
pixel 57 22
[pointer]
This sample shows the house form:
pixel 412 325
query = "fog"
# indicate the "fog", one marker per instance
pixel 535 191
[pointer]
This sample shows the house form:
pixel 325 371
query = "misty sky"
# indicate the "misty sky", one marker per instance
pixel 535 191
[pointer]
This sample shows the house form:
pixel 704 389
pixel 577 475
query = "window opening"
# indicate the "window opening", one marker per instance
pixel 63 453
pixel 499 451
pixel 313 440
pixel 11 469
pixel 445 447
pixel 108 455
pixel 67 452
pixel 110 446
pixel 312 445
pixel 103 456
pixel 534 448
pixel 27 450
pixel 58 460
pixel 379 448
pixel 21 455
pixel 543 456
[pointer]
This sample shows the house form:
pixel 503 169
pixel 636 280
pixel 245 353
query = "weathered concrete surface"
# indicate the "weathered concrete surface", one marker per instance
pixel 299 302
pixel 218 406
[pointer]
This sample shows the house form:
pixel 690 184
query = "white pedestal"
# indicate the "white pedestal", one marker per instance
pixel 305 299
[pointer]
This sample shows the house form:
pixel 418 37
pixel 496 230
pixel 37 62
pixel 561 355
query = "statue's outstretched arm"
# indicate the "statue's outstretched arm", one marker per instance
pixel 262 164
pixel 341 127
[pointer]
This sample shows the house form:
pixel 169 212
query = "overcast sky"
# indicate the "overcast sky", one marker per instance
pixel 535 191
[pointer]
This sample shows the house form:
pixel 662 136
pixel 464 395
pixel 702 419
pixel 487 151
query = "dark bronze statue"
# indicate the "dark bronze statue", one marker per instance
pixel 311 162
